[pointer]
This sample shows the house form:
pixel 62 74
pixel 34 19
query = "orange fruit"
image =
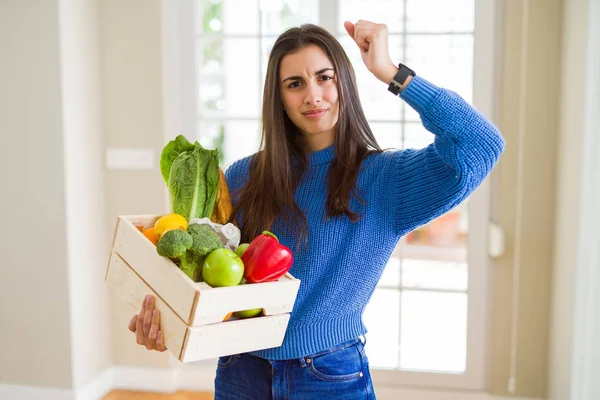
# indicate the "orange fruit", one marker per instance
pixel 169 222
pixel 150 233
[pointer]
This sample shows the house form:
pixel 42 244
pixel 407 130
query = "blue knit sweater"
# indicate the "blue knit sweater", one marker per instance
pixel 403 189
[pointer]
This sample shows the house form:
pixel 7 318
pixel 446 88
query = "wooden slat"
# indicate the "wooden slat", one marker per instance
pixel 273 297
pixel 197 343
pixel 234 337
pixel 159 272
pixel 147 221
pixel 132 289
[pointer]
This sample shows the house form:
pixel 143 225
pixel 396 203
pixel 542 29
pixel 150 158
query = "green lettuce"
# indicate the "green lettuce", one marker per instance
pixel 170 152
pixel 192 176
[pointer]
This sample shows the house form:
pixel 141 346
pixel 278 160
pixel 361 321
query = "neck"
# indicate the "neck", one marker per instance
pixel 319 142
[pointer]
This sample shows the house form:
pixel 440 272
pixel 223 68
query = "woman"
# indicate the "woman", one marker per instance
pixel 326 189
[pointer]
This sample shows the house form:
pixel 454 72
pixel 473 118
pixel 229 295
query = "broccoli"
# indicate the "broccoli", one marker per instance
pixel 191 247
pixel 205 240
pixel 174 243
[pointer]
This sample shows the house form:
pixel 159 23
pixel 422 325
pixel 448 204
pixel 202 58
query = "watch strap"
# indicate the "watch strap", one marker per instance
pixel 397 84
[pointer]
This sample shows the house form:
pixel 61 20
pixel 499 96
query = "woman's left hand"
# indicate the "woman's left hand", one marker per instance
pixel 372 39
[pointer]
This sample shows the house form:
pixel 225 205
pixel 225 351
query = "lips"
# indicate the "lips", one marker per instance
pixel 316 113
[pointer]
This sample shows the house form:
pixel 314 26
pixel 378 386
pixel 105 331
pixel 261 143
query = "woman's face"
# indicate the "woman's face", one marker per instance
pixel 309 91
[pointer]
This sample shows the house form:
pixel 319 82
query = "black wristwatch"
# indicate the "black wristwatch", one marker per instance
pixel 397 83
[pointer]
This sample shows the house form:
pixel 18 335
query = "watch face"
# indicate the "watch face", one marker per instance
pixel 402 74
pixel 402 66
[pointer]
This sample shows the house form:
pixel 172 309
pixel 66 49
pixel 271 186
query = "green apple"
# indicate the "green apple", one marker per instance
pixel 241 249
pixel 248 313
pixel 222 267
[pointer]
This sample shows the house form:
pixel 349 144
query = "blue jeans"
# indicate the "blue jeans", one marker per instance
pixel 341 372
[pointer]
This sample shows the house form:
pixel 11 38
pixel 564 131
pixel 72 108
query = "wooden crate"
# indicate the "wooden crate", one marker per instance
pixel 191 312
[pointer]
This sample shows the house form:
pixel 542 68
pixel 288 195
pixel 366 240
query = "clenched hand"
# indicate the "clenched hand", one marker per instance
pixel 146 326
pixel 372 39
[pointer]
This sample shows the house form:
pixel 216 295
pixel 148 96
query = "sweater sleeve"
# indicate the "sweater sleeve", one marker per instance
pixel 433 180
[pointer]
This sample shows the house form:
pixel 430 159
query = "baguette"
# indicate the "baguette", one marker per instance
pixel 223 207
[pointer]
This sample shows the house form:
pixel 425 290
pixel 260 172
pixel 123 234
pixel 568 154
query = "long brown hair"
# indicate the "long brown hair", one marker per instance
pixel 268 195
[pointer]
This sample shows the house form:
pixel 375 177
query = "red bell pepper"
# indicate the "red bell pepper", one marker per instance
pixel 266 259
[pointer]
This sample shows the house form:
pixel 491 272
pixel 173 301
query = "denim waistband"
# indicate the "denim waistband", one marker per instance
pixel 340 346
pixel 361 339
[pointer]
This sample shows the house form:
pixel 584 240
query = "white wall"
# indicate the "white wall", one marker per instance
pixel 84 187
pixel 35 346
pixel 130 35
pixel 54 316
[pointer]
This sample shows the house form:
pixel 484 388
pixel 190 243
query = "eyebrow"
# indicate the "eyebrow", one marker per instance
pixel 319 72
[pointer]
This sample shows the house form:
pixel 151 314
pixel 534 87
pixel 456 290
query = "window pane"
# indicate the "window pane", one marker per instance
pixel 449 16
pixel 241 57
pixel 433 336
pixel 211 55
pixel 395 44
pixel 443 239
pixel 212 136
pixel 377 102
pixel 382 319
pixel 266 45
pixel 449 230
pixel 235 89
pixel 446 60
pixel 235 139
pixel 411 115
pixel 240 17
pixel 210 16
pixel 278 15
pixel 427 252
pixel 416 136
pixel 211 93
pixel 229 17
pixel 391 273
pixel 389 12
pixel 388 135
pixel 425 274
